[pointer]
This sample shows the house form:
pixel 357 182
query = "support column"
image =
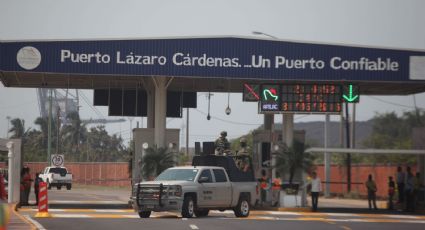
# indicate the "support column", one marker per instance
pixel 268 126
pixel 288 129
pixel 14 155
pixel 327 159
pixel 421 167
pixel 151 108
pixel 353 127
pixel 160 110
pixel 268 121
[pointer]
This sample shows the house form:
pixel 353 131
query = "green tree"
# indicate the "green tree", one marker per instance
pixel 155 161
pixel 100 146
pixel 18 128
pixel 43 124
pixel 74 132
pixel 393 132
pixel 293 158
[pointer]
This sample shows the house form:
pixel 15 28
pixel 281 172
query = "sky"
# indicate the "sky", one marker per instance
pixel 381 23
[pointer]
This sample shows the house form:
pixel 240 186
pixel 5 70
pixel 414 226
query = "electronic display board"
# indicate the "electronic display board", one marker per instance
pixel 251 92
pixel 351 93
pixel 311 98
pixel 270 98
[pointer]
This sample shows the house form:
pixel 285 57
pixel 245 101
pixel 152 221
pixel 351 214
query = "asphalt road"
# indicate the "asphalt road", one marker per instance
pixel 106 209
pixel 212 223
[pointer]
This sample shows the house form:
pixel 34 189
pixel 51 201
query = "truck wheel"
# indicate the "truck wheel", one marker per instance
pixel 49 186
pixel 144 214
pixel 188 207
pixel 242 208
pixel 202 212
pixel 68 187
pixel 59 187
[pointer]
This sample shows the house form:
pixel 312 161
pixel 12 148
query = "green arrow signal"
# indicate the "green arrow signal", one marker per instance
pixel 350 97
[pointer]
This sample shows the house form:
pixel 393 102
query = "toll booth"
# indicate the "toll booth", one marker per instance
pixel 143 139
pixel 263 141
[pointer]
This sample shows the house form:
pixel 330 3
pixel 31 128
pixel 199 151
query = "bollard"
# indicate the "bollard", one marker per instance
pixel 43 211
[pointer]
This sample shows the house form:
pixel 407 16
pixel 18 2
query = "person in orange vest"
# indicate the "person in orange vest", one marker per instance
pixel 276 186
pixel 264 185
pixel 25 185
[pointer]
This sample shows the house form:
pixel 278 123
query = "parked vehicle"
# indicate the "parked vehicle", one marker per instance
pixel 57 177
pixel 213 182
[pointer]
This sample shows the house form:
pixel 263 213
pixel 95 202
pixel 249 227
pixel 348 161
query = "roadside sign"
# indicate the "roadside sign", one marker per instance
pixel 57 160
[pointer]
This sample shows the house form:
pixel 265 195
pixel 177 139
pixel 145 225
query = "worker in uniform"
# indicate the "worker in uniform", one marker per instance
pixel 264 186
pixel 222 144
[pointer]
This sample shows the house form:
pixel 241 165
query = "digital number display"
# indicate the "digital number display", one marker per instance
pixel 311 98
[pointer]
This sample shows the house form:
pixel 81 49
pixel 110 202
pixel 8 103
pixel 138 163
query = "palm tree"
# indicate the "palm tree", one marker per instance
pixel 155 161
pixel 18 128
pixel 75 131
pixel 291 159
pixel 43 123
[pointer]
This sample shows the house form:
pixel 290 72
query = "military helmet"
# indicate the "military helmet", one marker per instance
pixel 242 140
pixel 223 133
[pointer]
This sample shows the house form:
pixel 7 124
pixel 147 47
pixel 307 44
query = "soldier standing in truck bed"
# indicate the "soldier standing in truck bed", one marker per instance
pixel 243 155
pixel 222 144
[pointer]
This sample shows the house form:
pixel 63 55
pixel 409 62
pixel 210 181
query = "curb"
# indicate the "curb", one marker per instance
pixel 15 212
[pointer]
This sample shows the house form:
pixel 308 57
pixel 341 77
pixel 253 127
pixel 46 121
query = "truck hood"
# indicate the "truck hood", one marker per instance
pixel 167 182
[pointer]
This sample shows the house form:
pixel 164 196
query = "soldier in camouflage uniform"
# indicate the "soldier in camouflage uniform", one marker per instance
pixel 222 144
pixel 243 161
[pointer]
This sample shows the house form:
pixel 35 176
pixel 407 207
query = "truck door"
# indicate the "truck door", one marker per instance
pixel 207 191
pixel 224 188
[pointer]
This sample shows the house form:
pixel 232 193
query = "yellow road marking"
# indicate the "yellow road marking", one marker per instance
pixel 33 227
pixel 345 227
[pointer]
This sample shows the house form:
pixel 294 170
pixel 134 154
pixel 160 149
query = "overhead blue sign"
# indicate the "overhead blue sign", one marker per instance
pixel 214 57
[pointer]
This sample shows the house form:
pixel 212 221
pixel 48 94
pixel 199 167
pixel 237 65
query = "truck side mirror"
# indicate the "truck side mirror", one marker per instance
pixel 203 179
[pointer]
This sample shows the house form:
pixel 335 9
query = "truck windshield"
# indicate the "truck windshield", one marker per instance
pixel 178 174
pixel 61 171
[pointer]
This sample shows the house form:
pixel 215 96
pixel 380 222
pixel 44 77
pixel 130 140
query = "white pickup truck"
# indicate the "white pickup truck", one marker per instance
pixel 194 190
pixel 57 176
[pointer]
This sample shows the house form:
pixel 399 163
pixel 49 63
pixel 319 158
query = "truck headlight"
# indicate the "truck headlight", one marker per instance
pixel 175 190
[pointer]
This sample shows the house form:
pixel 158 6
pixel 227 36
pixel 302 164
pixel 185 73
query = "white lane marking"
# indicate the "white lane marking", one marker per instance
pixel 109 210
pixel 37 225
pixel 342 214
pixel 402 217
pixel 71 216
pixel 184 218
pixel 224 212
pixel 192 226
